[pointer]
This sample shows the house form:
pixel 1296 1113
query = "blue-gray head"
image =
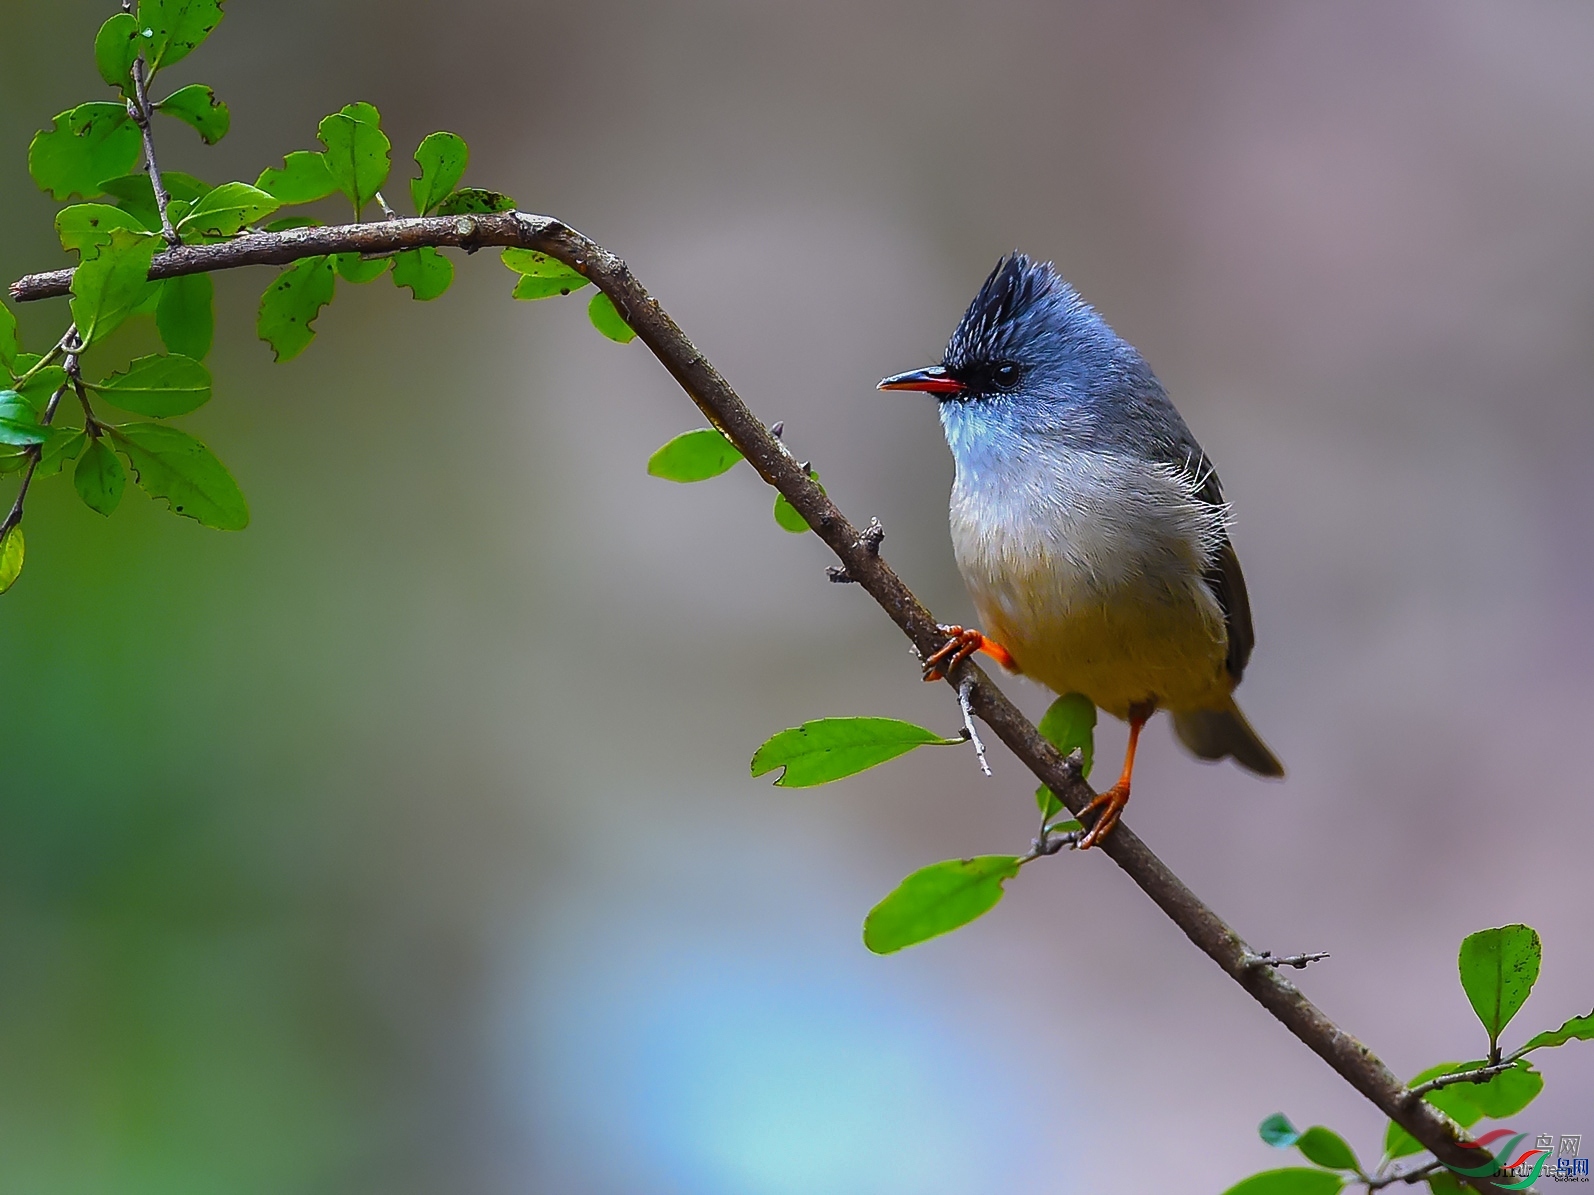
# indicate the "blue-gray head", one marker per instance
pixel 1031 359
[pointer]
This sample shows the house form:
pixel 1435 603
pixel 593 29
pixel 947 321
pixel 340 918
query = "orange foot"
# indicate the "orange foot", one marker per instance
pixel 1109 806
pixel 962 644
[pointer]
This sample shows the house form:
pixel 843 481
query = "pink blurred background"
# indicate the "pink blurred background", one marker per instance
pixel 405 841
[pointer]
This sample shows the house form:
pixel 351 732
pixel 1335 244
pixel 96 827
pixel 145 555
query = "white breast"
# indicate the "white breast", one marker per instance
pixel 1087 567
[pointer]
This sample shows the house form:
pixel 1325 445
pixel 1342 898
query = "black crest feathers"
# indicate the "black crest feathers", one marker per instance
pixel 996 320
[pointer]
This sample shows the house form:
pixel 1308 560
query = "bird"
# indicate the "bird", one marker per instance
pixel 1089 526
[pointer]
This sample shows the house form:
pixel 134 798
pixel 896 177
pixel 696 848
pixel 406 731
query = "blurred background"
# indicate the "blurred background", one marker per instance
pixel 405 843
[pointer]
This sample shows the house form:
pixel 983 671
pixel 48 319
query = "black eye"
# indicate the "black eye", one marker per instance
pixel 1006 375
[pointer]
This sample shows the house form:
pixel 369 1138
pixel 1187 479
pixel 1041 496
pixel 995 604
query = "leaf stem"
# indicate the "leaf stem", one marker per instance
pixel 35 451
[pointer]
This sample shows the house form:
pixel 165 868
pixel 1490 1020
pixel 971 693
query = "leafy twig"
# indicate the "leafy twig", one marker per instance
pixel 1481 1075
pixel 725 409
pixel 138 107
pixel 14 515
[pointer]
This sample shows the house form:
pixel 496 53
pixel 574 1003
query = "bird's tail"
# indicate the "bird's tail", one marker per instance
pixel 1214 734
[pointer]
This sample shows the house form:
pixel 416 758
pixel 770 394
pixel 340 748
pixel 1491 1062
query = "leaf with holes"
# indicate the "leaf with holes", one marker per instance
pixel 185 315
pixel 227 210
pixel 541 276
pixel 694 456
pixel 115 47
pixel 12 550
pixel 304 178
pixel 936 900
pixel 159 386
pixel 1498 969
pixel 107 288
pixel 197 106
pixel 63 445
pixel 85 228
pixel 442 158
pixel 100 478
pixel 292 303
pixel 471 201
pixel 829 748
pixel 425 271
pixel 173 465
pixel 174 28
pixel 87 145
pixel 356 152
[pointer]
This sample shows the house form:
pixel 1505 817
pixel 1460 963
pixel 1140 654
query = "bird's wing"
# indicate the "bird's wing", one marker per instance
pixel 1227 583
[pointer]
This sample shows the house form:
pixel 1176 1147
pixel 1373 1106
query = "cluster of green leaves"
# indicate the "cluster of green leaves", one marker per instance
pixel 90 154
pixel 943 896
pixel 704 452
pixel 1498 969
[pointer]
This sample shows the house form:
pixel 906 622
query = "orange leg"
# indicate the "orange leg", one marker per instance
pixel 962 644
pixel 1109 806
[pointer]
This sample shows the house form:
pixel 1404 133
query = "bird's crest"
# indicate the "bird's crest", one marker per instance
pixel 1018 299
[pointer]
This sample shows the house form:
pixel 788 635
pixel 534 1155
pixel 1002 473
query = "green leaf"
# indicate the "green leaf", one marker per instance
pixel 356 153
pixel 1497 1097
pixel 830 748
pixel 541 276
pixel 173 465
pixel 135 195
pixel 442 158
pixel 158 386
pixel 425 271
pixel 88 144
pixel 227 210
pixel 1278 1132
pixel 19 422
pixel 38 389
pixel 470 201
pixel 100 478
pixel 175 27
pixel 291 222
pixel 304 178
pixel 1577 1029
pixel 197 106
pixel 1498 969
pixel 1327 1148
pixel 1450 1100
pixel 694 456
pixel 601 311
pixel 85 228
pixel 352 267
pixel 114 50
pixel 185 316
pixel 532 287
pixel 11 552
pixel 106 288
pixel 291 304
pixel 1069 724
pixel 1443 1182
pixel 10 346
pixel 63 445
pixel 1293 1180
pixel 936 900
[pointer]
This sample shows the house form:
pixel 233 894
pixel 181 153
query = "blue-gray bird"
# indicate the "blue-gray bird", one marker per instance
pixel 1088 525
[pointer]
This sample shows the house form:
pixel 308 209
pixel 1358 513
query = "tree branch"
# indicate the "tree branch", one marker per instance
pixel 859 556
pixel 139 109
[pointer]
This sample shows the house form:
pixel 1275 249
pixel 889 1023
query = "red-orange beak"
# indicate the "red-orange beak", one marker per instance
pixel 934 380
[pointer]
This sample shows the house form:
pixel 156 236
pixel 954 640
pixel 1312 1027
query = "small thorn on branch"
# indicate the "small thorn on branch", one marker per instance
pixel 869 540
pixel 778 428
pixel 1299 961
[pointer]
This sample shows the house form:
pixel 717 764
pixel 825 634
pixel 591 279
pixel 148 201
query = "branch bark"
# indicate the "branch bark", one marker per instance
pixel 859 556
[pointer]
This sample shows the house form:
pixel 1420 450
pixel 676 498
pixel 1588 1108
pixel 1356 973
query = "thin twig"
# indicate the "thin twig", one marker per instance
pixel 139 109
pixel 968 722
pixel 1299 961
pixel 36 451
pixel 1353 1061
pixel 1481 1075
pixel 1404 1176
